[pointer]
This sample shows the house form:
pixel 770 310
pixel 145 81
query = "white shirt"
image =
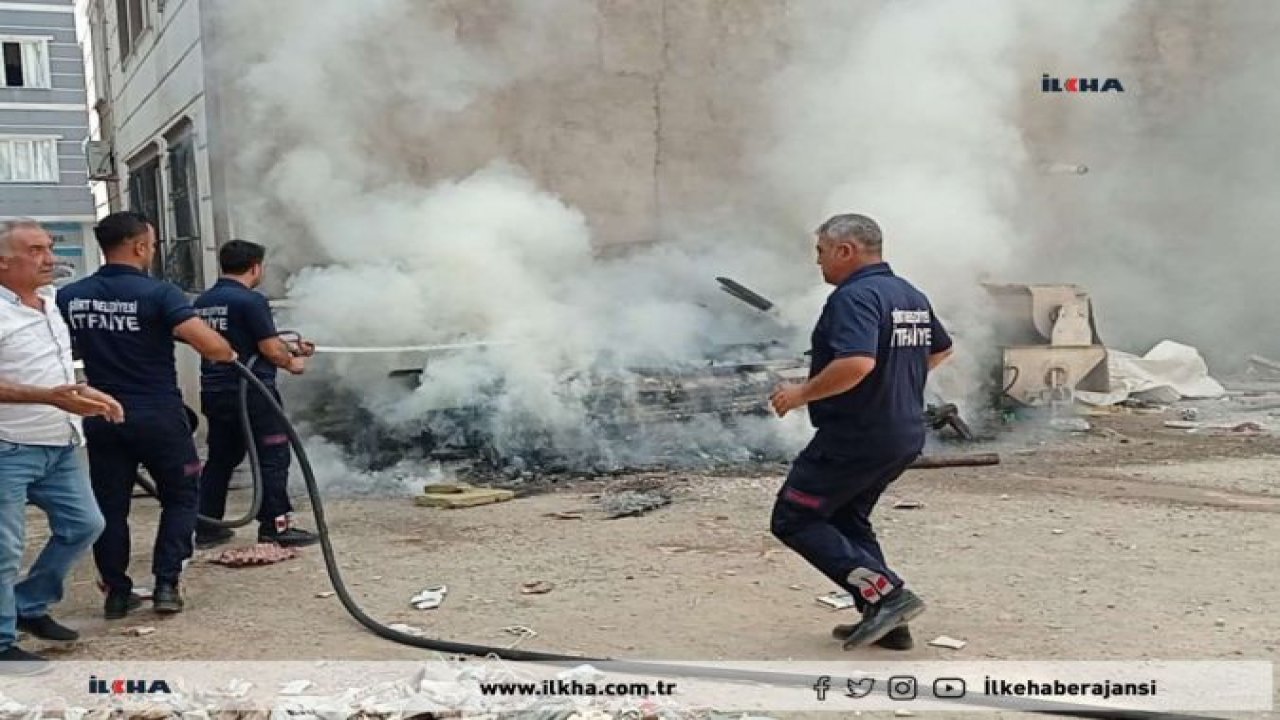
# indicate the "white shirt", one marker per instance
pixel 35 349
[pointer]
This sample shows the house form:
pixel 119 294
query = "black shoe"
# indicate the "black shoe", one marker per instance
pixel 46 628
pixel 289 537
pixel 213 537
pixel 118 605
pixel 893 611
pixel 898 638
pixel 166 599
pixel 15 661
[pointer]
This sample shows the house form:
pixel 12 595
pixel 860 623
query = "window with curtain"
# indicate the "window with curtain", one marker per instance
pixel 26 62
pixel 28 159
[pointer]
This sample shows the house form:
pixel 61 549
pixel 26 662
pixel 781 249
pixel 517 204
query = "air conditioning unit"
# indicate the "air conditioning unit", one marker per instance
pixel 101 159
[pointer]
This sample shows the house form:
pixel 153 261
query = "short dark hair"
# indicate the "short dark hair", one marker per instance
pixel 115 229
pixel 239 256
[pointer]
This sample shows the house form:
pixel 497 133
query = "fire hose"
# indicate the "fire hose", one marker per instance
pixel 249 379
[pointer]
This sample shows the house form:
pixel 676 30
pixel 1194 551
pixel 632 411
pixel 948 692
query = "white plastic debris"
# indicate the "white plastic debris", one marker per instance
pixel 429 598
pixel 325 594
pixel 948 642
pixel 138 631
pixel 408 629
pixel 836 599
pixel 908 505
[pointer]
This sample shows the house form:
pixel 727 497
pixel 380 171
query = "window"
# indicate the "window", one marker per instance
pixel 26 62
pixel 144 197
pixel 25 159
pixel 184 257
pixel 131 20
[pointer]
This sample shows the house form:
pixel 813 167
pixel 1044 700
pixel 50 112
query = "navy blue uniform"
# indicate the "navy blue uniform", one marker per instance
pixel 122 323
pixel 244 318
pixel 865 437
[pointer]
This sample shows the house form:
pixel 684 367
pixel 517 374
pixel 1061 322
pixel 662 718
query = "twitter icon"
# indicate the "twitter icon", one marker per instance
pixel 860 688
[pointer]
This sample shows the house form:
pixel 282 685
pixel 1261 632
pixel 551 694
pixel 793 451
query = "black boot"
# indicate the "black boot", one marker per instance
pixel 289 537
pixel 46 628
pixel 166 599
pixel 898 638
pixel 893 611
pixel 120 604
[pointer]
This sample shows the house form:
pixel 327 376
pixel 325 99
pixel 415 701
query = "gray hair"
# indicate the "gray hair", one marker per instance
pixel 8 227
pixel 853 228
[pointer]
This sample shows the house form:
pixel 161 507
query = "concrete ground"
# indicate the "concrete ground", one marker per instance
pixel 1093 546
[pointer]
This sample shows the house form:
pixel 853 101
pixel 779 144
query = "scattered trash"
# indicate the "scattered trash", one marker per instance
pixel 325 594
pixel 536 587
pixel 1005 496
pixel 521 632
pixel 259 554
pixel 1057 531
pixel 408 629
pixel 836 599
pixel 794 587
pixel 139 631
pixel 951 643
pixel 429 598
pixel 630 503
pixel 296 687
pixel 459 495
pixel 1191 414
pixel 1070 424
pixel 1220 622
pixel 566 515
pixel 908 505
pixel 1181 424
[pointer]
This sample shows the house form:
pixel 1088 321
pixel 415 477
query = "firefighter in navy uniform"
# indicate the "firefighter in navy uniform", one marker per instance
pixel 244 317
pixel 872 350
pixel 123 324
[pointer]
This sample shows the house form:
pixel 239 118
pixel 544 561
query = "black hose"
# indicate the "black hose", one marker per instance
pixel 623 666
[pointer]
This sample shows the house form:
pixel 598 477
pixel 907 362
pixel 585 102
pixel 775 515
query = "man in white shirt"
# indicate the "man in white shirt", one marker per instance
pixel 40 409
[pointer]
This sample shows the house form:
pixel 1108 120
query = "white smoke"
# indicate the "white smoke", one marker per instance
pixel 351 165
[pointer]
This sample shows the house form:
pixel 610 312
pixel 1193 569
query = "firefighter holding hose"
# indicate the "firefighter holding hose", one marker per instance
pixel 243 316
pixel 872 349
pixel 123 323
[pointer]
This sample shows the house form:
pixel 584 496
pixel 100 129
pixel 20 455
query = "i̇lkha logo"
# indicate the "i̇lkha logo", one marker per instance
pixel 123 686
pixel 1079 84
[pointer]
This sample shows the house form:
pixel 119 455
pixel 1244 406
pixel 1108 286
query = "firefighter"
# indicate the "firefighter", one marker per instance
pixel 123 324
pixel 244 317
pixel 872 349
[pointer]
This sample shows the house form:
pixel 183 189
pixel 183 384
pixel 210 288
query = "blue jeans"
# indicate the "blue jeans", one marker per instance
pixel 53 479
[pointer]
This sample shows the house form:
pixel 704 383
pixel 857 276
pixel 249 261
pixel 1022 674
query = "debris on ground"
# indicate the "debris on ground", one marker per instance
pixel 908 505
pixel 1070 424
pixel 460 495
pixel 430 598
pixel 950 643
pixel 408 629
pixel 634 497
pixel 1191 414
pixel 259 554
pixel 1169 372
pixel 325 594
pixel 1182 425
pixel 836 599
pixel 565 515
pixel 138 631
pixel 521 632
pixel 536 587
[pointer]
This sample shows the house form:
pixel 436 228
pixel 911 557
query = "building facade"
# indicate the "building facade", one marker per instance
pixel 44 124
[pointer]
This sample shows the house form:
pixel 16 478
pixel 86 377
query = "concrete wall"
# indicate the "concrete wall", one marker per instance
pixel 156 89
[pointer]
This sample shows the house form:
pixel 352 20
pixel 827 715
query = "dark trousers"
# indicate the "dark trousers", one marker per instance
pixel 823 512
pixel 159 439
pixel 227 450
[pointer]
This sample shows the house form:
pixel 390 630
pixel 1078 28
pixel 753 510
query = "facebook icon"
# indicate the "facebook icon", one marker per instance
pixel 822 686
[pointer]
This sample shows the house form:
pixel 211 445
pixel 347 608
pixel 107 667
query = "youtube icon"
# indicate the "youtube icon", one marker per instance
pixel 948 688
